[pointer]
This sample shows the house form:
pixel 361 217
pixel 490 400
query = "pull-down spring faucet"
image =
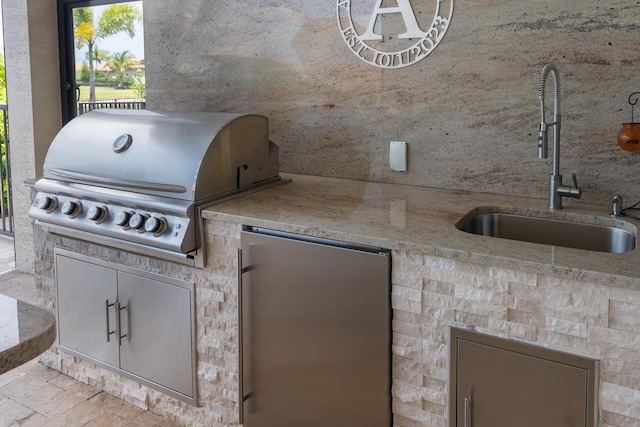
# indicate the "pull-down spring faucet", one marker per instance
pixel 556 189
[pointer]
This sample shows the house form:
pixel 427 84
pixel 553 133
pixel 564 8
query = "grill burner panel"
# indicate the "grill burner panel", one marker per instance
pixel 119 217
pixel 138 179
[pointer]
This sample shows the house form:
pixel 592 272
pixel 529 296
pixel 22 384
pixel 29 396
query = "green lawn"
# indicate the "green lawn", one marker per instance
pixel 107 93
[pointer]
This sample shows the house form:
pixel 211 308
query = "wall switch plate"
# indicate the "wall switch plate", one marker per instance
pixel 398 156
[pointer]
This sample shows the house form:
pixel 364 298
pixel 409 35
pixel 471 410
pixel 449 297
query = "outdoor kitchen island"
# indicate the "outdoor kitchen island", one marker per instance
pixel 575 301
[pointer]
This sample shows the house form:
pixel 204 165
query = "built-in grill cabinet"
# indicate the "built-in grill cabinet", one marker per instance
pixel 138 324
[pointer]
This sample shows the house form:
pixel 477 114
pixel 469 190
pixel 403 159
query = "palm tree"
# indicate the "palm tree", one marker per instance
pixel 115 19
pixel 99 55
pixel 121 62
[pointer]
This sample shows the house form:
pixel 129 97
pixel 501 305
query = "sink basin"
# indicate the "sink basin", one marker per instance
pixel 614 237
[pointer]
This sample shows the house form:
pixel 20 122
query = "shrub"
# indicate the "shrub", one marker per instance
pixel 83 75
pixel 139 86
pixel 100 76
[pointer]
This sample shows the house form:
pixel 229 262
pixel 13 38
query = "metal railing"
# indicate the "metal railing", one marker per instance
pixel 132 104
pixel 6 205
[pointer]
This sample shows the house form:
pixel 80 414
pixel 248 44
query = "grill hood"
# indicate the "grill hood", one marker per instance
pixel 139 179
pixel 190 156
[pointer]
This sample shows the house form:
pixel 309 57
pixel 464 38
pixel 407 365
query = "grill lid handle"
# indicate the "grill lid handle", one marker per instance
pixel 100 180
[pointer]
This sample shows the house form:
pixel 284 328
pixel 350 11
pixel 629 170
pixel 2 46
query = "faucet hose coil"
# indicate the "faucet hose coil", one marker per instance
pixel 544 74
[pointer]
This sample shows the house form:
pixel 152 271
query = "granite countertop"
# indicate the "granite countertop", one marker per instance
pixel 422 220
pixel 25 332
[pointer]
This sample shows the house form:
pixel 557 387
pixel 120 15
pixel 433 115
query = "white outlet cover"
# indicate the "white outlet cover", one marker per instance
pixel 398 156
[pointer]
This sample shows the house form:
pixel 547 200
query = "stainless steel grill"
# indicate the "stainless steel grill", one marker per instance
pixel 138 179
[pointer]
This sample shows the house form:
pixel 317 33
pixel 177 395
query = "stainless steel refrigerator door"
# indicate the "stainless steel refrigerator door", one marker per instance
pixel 316 334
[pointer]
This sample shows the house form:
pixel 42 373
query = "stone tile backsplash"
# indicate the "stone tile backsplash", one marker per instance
pixel 469 111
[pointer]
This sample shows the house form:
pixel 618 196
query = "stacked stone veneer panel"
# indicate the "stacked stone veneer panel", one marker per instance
pixel 429 294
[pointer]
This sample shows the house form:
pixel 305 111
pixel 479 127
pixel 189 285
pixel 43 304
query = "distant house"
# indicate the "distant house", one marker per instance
pixel 136 70
pixel 96 67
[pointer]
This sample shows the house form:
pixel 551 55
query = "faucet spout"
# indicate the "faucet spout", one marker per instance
pixel 556 189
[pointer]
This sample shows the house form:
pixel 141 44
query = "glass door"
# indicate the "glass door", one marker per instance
pixel 101 55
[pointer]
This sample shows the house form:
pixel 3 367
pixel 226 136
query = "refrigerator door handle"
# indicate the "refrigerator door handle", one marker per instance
pixel 240 343
pixel 467 412
pixel 241 395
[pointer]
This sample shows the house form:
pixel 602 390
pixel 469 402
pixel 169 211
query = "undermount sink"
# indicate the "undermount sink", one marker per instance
pixel 609 235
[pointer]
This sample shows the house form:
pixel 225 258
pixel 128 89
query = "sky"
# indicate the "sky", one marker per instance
pixel 117 43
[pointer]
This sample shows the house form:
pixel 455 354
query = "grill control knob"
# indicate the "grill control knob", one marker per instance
pixel 137 221
pixel 122 218
pixel 46 203
pixel 72 209
pixel 156 225
pixel 98 213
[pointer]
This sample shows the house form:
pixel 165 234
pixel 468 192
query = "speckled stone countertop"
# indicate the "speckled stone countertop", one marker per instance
pixel 423 220
pixel 25 332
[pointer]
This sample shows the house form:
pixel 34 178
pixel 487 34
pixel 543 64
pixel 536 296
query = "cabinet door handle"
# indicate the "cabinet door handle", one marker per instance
pixel 467 412
pixel 106 306
pixel 119 308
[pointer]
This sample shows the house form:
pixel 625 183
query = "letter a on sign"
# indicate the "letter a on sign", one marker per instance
pixel 407 48
pixel 404 8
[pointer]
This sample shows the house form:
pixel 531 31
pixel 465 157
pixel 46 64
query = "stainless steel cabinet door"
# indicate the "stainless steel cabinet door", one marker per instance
pixel 316 335
pixel 86 297
pixel 503 383
pixel 156 319
pixel 136 323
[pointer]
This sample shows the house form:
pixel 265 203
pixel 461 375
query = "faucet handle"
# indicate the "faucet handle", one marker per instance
pixel 616 205
pixel 575 180
pixel 566 191
pixel 576 191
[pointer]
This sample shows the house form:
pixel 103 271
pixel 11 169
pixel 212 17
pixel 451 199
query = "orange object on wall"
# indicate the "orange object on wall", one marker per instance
pixel 629 137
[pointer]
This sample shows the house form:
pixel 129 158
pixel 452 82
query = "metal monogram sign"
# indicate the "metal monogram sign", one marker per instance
pixel 393 35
